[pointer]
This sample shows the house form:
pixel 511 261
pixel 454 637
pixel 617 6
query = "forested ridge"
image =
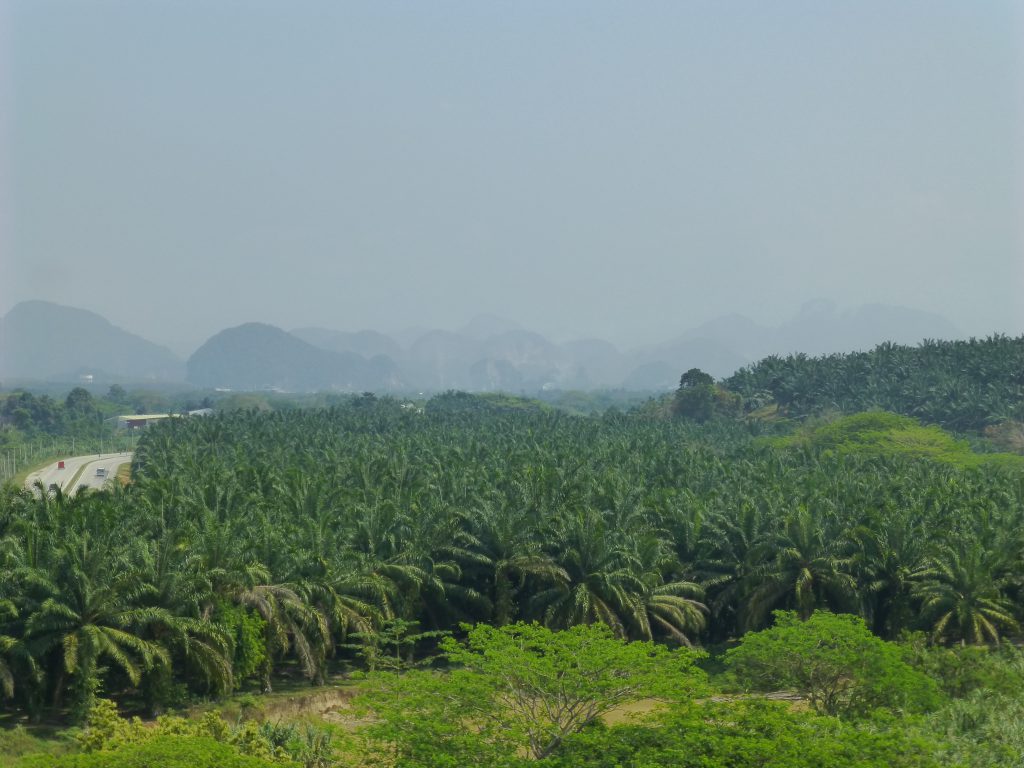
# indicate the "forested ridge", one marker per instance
pixel 960 385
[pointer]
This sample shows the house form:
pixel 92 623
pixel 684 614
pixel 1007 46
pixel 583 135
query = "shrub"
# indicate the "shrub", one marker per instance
pixel 835 662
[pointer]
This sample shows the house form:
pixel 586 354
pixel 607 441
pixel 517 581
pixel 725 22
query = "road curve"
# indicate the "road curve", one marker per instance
pixel 53 475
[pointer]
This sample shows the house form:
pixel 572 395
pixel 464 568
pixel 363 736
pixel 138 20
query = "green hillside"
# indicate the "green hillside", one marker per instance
pixel 878 433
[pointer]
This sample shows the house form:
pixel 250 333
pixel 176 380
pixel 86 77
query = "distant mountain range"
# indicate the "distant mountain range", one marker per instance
pixel 258 356
pixel 47 342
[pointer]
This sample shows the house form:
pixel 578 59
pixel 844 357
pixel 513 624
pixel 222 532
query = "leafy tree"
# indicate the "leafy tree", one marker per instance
pixel 738 734
pixel 700 399
pixel 117 394
pixel 695 398
pixel 835 661
pixel 31 413
pixel 961 669
pixel 522 687
pixel 80 401
pixel 165 751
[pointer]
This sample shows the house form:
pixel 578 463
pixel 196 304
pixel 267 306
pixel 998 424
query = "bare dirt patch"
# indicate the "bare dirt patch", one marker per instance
pixel 327 704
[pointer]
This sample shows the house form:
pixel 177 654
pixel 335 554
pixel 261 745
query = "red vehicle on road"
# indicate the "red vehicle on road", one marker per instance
pixel 60 465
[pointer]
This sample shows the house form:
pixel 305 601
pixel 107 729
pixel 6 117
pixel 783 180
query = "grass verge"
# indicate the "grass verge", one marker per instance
pixel 21 476
pixel 74 480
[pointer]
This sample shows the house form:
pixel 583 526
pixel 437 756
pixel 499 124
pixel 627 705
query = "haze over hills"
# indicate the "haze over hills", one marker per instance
pixel 365 343
pixel 818 328
pixel 43 341
pixel 260 356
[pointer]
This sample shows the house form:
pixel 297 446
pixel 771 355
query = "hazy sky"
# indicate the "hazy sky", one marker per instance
pixel 624 170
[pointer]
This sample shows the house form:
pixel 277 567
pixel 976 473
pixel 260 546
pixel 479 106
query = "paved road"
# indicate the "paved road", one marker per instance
pixel 51 475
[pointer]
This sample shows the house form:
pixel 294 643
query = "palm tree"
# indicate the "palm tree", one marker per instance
pixel 93 613
pixel 498 539
pixel 599 586
pixel 180 588
pixel 669 607
pixel 733 547
pixel 13 652
pixel 890 550
pixel 374 563
pixel 809 569
pixel 961 594
pixel 291 624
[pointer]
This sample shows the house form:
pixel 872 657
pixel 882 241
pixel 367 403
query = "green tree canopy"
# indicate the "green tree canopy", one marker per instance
pixel 834 661
pixel 700 399
pixel 522 688
pixel 742 734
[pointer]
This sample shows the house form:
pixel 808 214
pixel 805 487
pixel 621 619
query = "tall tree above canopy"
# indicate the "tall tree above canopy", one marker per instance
pixel 700 399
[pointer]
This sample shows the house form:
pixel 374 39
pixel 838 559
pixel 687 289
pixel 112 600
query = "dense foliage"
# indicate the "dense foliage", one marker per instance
pixel 521 689
pixel 254 544
pixel 38 428
pixel 744 733
pixel 960 385
pixel 78 414
pixel 699 399
pixel 175 751
pixel 833 661
pixel 524 695
pixel 881 434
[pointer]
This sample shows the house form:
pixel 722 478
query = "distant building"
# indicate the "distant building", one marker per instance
pixel 140 420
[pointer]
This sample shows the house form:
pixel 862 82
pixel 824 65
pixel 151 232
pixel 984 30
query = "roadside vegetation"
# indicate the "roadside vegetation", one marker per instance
pixel 37 429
